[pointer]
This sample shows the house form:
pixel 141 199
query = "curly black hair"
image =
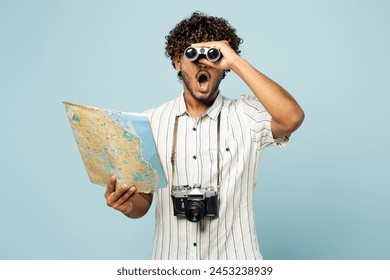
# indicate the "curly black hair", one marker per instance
pixel 199 28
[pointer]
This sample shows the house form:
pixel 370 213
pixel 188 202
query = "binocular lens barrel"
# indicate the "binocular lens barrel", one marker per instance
pixel 213 54
pixel 191 54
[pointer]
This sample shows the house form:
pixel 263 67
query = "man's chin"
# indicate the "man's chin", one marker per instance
pixel 202 96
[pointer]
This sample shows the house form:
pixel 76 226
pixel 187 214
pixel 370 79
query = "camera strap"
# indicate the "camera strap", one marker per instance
pixel 173 155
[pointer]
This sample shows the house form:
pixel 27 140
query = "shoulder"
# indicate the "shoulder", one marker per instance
pixel 161 110
pixel 247 105
pixel 250 102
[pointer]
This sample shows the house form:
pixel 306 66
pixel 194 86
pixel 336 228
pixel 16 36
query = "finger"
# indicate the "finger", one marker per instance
pixel 124 198
pixel 115 199
pixel 110 186
pixel 115 195
pixel 122 188
pixel 220 45
pixel 126 208
pixel 211 44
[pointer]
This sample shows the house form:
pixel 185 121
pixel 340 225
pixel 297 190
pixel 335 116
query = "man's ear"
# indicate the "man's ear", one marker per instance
pixel 177 63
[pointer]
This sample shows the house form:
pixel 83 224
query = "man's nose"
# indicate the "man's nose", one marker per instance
pixel 202 66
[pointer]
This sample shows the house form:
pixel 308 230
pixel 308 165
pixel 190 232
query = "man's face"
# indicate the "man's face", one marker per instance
pixel 201 82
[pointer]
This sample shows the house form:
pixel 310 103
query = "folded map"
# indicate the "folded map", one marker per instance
pixel 116 143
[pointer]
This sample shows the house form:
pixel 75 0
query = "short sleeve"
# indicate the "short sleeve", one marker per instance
pixel 259 121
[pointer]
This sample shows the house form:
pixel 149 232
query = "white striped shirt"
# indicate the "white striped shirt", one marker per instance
pixel 245 132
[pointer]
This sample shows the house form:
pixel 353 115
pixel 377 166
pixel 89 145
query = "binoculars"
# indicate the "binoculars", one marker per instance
pixel 212 54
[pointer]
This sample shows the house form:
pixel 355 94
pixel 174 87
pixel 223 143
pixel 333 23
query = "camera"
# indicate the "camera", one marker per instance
pixel 212 54
pixel 195 202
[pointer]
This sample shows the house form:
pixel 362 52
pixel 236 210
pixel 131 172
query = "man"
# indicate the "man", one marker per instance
pixel 205 139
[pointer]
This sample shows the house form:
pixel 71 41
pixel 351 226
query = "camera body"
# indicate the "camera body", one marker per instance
pixel 195 202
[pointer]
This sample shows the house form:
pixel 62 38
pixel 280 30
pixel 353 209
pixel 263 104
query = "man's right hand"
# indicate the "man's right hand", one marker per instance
pixel 119 198
pixel 126 199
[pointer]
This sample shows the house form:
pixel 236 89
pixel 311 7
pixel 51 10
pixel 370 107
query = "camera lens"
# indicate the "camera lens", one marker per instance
pixel 213 54
pixel 195 211
pixel 190 53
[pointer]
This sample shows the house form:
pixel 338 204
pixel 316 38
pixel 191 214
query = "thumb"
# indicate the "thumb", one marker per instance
pixel 110 186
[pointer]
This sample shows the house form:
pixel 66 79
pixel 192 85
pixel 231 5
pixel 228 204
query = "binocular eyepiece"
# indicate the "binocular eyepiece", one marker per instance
pixel 212 54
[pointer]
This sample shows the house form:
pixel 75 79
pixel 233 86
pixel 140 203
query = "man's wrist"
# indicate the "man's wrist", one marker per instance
pixel 238 64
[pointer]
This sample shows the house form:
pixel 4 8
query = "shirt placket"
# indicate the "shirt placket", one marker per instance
pixel 194 154
pixel 194 135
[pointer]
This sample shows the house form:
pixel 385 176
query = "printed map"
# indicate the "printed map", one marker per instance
pixel 116 143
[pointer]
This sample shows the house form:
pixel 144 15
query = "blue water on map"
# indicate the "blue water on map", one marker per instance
pixel 139 124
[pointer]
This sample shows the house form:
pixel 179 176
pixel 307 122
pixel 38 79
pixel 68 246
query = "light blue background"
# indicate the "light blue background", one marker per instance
pixel 325 196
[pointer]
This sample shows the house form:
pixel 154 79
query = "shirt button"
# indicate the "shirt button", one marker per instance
pixel 194 157
pixel 227 149
pixel 194 128
pixel 194 244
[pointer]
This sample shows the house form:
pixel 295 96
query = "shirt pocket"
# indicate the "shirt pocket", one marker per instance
pixel 228 157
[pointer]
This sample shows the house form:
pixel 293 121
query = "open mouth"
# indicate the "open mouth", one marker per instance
pixel 203 80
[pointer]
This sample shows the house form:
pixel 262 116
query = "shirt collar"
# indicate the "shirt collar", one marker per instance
pixel 212 111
